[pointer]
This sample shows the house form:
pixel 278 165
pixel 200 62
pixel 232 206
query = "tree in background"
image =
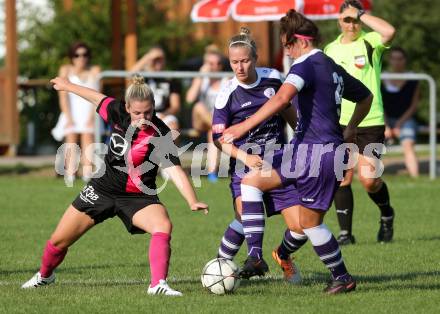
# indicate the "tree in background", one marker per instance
pixel 44 44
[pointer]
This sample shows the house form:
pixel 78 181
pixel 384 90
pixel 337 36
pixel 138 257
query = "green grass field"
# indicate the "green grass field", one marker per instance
pixel 107 270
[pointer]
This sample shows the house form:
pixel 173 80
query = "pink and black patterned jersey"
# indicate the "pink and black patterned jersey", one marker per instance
pixel 134 155
pixel 321 85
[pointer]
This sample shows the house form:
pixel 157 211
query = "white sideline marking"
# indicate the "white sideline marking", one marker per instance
pixel 171 280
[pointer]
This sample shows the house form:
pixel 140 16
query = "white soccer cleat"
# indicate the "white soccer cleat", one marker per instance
pixel 162 288
pixel 38 281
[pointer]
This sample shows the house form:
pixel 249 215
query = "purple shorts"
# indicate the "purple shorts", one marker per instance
pixel 312 171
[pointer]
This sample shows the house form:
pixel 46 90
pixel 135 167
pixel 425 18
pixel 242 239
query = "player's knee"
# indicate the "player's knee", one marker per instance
pixel 348 178
pixel 59 243
pixel 252 180
pixel 371 185
pixel 166 226
pixel 304 223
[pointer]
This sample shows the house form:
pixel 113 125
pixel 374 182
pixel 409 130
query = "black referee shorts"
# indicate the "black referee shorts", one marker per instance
pixel 101 205
pixel 368 135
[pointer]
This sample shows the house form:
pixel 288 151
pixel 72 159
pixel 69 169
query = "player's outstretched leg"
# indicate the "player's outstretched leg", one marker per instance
pixel 52 257
pixel 327 248
pixel 232 240
pixel 292 242
pixel 253 225
pixel 71 227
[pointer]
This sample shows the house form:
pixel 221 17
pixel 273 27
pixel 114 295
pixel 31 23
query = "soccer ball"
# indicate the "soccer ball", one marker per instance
pixel 220 276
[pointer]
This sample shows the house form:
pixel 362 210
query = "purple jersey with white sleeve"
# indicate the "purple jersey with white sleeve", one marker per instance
pixel 321 85
pixel 236 102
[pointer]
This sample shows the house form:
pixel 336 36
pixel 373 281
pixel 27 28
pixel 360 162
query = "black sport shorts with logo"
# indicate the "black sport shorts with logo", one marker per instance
pixel 101 205
pixel 368 135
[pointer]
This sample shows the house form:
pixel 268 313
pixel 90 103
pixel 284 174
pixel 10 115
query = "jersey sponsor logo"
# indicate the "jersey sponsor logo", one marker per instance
pixel 218 128
pixel 118 145
pixel 269 92
pixel 360 61
pixel 248 103
pixel 88 195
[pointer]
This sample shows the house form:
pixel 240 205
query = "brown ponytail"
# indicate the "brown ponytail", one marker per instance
pixel 294 23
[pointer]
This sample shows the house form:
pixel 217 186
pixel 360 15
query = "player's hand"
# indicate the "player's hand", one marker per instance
pixel 60 84
pixel 388 133
pixel 232 133
pixel 349 135
pixel 396 132
pixel 254 161
pixel 200 206
pixel 350 12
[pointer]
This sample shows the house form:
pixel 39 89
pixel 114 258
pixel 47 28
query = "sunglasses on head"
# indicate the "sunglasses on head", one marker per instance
pixel 349 20
pixel 84 55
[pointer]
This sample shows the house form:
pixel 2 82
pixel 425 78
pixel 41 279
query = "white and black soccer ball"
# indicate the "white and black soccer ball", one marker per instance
pixel 220 276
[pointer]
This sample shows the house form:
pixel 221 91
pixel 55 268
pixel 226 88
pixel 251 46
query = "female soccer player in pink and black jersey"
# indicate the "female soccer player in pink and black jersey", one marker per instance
pixel 128 186
pixel 316 84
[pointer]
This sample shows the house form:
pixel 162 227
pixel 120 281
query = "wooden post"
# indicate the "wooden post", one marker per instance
pixel 130 36
pixel 9 135
pixel 116 35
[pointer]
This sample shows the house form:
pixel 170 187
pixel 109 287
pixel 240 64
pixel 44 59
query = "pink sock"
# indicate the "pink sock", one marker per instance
pixel 159 254
pixel 52 257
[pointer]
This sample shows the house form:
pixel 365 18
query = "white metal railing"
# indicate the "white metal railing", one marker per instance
pixel 401 76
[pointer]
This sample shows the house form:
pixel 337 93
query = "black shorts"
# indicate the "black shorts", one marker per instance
pixel 101 205
pixel 368 135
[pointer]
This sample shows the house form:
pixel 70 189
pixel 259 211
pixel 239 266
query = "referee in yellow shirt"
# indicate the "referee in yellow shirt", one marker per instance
pixel 360 54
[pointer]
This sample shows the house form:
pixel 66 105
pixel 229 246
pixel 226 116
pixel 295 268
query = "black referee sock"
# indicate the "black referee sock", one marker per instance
pixel 382 200
pixel 344 208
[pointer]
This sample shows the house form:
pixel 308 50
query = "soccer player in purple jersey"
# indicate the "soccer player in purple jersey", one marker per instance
pixel 319 85
pixel 238 99
pixel 128 187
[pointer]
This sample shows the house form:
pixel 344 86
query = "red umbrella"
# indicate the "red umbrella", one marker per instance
pixel 211 10
pixel 265 10
pixel 327 9
pixel 262 10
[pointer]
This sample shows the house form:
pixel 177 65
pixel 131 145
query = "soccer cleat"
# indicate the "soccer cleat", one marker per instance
pixel 162 288
pixel 290 270
pixel 346 239
pixel 38 281
pixel 253 267
pixel 340 286
pixel 385 233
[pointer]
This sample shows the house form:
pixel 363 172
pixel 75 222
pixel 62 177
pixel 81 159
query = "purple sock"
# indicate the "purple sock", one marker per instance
pixel 232 240
pixel 252 219
pixel 327 248
pixel 292 242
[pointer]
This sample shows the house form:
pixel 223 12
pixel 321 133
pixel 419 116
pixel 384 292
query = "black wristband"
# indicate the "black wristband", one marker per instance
pixel 360 13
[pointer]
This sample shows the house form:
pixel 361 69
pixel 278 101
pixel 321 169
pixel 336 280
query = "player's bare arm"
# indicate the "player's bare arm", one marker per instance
pixel 180 179
pixel 385 29
pixel 63 84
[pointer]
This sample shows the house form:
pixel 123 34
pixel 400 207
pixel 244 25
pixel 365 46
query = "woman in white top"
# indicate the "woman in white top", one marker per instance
pixel 203 91
pixel 77 119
